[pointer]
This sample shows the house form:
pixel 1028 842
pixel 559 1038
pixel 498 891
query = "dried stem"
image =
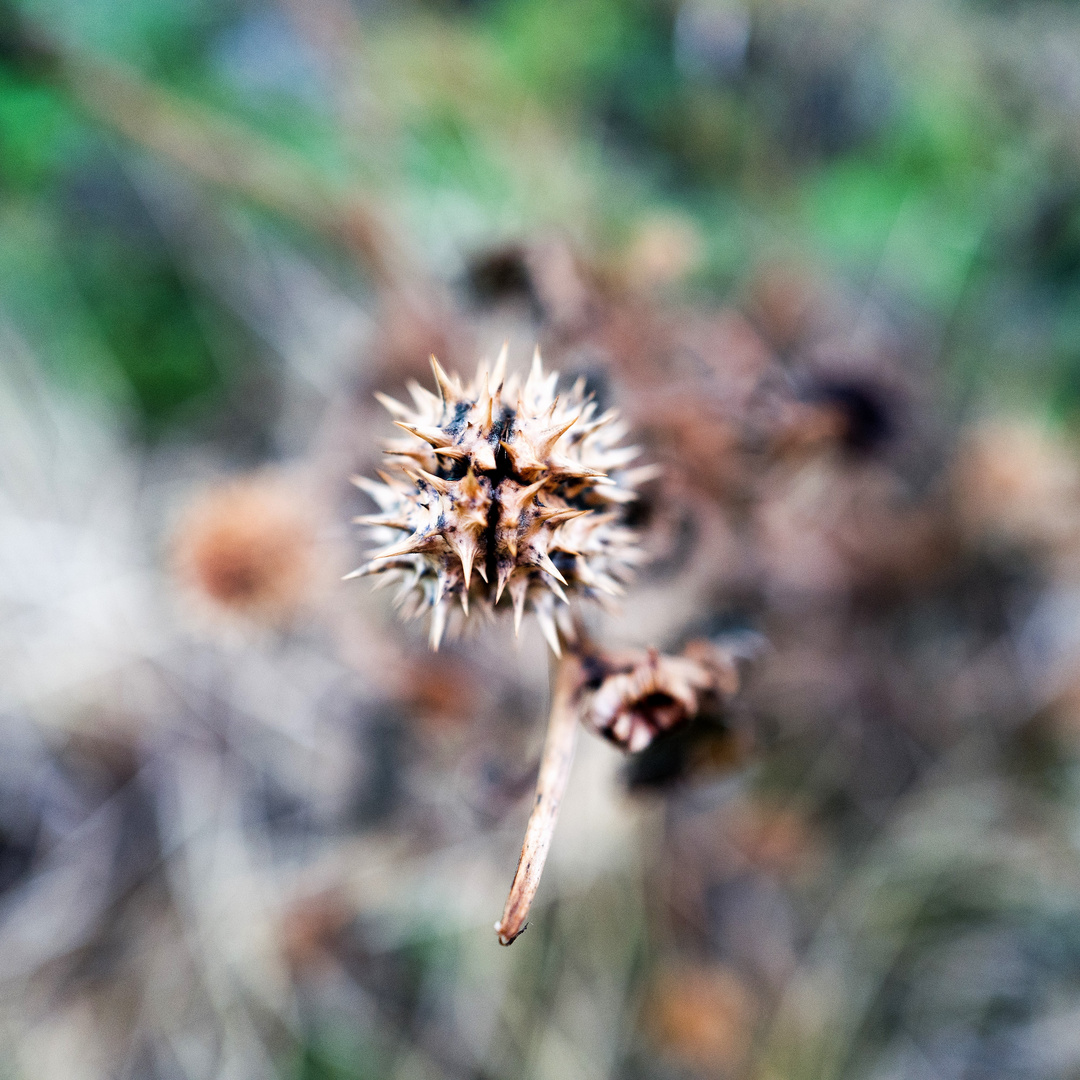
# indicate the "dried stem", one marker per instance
pixel 555 766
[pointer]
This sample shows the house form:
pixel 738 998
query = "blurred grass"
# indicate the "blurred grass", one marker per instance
pixel 521 115
pixel 912 194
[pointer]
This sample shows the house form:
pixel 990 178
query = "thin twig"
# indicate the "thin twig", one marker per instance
pixel 555 766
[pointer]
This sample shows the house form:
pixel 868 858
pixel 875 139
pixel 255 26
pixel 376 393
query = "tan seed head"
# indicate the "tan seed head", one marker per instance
pixel 502 493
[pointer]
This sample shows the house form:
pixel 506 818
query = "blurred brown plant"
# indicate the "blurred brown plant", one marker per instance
pixel 702 1016
pixel 1017 483
pixel 642 695
pixel 245 549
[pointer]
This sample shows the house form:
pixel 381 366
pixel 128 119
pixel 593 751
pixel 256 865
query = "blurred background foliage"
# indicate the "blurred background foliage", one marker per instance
pixel 928 151
pixel 223 223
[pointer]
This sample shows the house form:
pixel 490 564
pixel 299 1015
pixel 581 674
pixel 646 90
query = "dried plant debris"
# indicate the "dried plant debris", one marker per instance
pixel 245 549
pixel 640 696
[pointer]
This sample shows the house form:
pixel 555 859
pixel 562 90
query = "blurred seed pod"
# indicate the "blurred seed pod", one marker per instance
pixel 245 550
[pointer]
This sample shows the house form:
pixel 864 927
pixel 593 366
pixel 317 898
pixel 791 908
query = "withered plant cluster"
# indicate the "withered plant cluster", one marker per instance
pixel 252 822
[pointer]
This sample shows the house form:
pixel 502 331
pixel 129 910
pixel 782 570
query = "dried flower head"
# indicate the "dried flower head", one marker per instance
pixel 502 488
pixel 643 695
pixel 245 549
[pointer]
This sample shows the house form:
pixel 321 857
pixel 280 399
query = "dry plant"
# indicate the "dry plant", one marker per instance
pixel 511 489
pixel 244 549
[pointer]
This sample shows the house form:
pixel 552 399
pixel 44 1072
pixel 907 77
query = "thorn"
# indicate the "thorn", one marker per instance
pixel 557 515
pixel 383 519
pixel 484 457
pixel 620 456
pixel 608 585
pixel 499 374
pixel 563 466
pixel 451 451
pixel 442 380
pixel 553 435
pixel 543 560
pixel 386 495
pixel 615 494
pixel 404 581
pixel 518 590
pixel 433 435
pixel 641 475
pixel 409 546
pixel 481 371
pixel 505 570
pixel 485 403
pixel 521 458
pixel 557 589
pixel 469 486
pixel 416 455
pixel 527 493
pixel 466 552
pixel 403 594
pixel 481 569
pixel 443 487
pixel 585 574
pixel 465 601
pixel 548 629
pixel 512 545
pixel 438 625
pixel 536 375
pixel 392 405
pixel 365 484
pixel 360 571
pixel 425 400
pixel 384 581
pixel 601 421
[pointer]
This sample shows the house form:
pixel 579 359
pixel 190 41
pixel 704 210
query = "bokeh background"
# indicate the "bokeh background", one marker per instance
pixel 825 257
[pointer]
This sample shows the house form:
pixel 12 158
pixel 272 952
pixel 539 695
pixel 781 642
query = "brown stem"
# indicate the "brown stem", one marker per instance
pixel 555 765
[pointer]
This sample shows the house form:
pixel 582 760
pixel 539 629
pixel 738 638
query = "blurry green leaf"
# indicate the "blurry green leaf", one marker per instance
pixel 559 48
pixel 38 132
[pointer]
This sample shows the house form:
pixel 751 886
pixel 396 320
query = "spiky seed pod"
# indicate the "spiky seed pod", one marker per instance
pixel 502 493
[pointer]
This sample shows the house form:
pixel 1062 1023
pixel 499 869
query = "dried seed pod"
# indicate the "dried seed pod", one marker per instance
pixel 246 549
pixel 502 489
pixel 646 694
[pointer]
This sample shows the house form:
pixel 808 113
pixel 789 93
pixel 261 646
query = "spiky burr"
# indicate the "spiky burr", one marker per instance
pixel 502 489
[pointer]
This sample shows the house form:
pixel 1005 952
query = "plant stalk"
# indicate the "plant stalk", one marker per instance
pixel 555 764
